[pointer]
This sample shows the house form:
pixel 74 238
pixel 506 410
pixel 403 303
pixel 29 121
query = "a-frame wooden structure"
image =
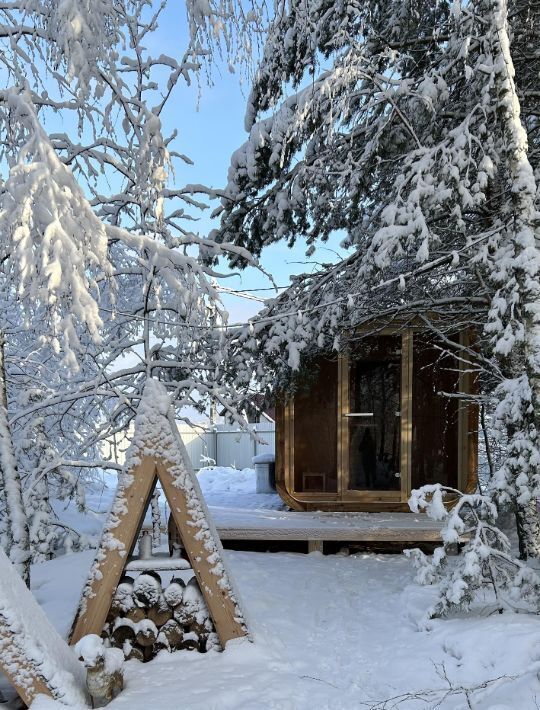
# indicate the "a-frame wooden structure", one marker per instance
pixel 157 452
pixel 33 656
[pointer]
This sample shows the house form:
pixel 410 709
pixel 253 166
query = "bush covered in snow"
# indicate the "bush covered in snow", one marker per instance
pixel 486 561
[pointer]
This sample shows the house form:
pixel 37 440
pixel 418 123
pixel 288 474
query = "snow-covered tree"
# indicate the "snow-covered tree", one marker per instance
pixel 96 258
pixel 486 562
pixel 412 127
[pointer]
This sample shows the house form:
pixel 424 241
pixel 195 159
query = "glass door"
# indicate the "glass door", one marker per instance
pixel 372 419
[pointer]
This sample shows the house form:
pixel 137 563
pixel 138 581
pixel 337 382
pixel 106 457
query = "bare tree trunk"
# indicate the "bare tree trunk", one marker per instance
pixel 156 519
pixel 17 521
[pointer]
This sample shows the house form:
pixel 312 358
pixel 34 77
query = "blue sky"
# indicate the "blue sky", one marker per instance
pixel 210 121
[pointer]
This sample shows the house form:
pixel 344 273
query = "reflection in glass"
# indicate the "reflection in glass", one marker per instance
pixel 374 420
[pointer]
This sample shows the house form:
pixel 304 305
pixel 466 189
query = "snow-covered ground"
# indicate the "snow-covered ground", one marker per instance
pixel 331 632
pixel 328 632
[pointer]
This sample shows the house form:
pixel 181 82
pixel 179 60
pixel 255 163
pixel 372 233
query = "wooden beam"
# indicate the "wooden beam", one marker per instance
pixel 280 440
pixel 467 419
pixel 315 546
pixel 407 355
pixel 343 425
pixel 289 444
pixel 33 656
pixel 315 538
pixel 220 603
pixel 111 559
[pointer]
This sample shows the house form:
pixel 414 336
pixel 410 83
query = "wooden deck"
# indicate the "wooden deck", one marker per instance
pixel 316 528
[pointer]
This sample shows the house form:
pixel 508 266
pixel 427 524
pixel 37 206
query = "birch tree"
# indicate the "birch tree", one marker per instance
pixel 96 255
pixel 412 127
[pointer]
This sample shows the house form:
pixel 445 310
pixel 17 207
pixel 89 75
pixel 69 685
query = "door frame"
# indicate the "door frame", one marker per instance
pixel 401 494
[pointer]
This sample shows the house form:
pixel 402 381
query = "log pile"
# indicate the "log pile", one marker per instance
pixel 146 618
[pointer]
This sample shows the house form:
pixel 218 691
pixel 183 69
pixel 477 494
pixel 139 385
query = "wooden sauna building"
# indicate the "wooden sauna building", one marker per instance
pixel 365 428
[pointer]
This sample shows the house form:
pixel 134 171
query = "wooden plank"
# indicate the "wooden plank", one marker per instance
pixel 356 505
pixel 289 441
pixel 275 525
pixel 472 461
pixel 463 412
pixel 280 440
pixel 319 535
pixel 33 656
pixel 157 563
pixel 110 561
pixel 220 605
pixel 343 425
pixel 467 419
pixel 474 414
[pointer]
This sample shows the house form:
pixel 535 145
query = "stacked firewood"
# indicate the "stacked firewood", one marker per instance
pixel 146 618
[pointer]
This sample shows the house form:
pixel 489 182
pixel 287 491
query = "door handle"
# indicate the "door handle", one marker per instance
pixel 359 414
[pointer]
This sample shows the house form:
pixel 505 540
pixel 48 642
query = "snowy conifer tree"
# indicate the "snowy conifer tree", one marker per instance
pixel 412 127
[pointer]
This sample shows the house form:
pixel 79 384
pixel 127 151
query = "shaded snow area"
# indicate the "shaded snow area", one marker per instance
pixel 57 586
pixel 98 499
pixel 222 486
pixel 332 633
pixel 231 488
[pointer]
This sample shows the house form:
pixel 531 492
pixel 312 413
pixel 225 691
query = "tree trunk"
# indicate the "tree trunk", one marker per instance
pixel 528 529
pixel 156 519
pixel 18 536
pixel 518 323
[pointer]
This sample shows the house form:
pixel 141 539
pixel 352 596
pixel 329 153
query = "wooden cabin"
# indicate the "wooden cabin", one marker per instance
pixel 365 428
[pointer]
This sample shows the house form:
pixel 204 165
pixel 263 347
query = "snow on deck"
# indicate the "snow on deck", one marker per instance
pixel 240 513
pixel 244 524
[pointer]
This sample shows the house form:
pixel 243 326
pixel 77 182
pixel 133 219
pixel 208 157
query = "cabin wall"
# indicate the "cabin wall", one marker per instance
pixel 315 431
pixel 435 418
pixel 280 441
pixel 439 435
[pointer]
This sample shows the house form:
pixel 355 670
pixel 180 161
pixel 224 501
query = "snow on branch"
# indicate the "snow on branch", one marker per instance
pixel 485 563
pixel 55 240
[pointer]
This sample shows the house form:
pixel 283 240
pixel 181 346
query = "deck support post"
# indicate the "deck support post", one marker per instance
pixel 315 546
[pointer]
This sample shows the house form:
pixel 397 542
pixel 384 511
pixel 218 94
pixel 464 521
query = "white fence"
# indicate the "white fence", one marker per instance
pixel 226 445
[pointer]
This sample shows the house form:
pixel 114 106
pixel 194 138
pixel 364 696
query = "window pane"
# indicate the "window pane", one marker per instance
pixel 375 431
